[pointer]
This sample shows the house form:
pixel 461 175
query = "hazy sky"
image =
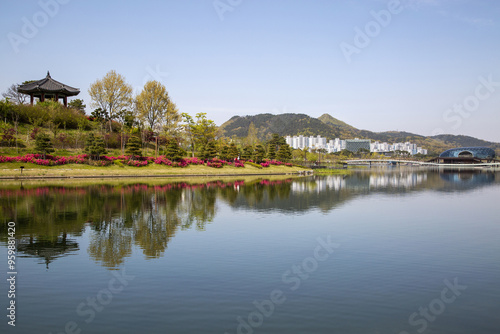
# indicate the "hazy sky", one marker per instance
pixel 423 66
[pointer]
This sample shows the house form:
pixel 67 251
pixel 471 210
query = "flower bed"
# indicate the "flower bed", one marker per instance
pixel 105 160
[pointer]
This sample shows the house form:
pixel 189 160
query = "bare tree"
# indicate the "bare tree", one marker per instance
pixel 14 96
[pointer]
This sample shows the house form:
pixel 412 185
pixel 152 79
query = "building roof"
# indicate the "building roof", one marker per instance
pixel 48 85
pixel 476 152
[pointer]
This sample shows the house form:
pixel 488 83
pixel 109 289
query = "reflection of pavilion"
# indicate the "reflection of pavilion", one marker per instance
pixel 48 88
pixel 49 250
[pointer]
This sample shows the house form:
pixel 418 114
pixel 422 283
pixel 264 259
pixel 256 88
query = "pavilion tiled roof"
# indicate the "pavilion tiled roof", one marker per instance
pixel 48 85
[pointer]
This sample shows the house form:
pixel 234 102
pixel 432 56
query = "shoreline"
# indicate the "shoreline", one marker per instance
pixel 62 177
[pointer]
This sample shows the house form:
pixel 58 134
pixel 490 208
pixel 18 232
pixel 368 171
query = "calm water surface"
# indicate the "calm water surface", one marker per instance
pixel 383 252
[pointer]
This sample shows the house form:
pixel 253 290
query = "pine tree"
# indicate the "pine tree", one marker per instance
pixel 43 145
pixel 224 153
pixel 134 147
pixel 284 153
pixel 173 151
pixel 247 152
pixel 234 153
pixel 271 151
pixel 259 153
pixel 94 146
pixel 210 150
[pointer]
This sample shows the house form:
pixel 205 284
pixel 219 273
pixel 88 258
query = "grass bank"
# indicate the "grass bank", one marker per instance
pixel 12 170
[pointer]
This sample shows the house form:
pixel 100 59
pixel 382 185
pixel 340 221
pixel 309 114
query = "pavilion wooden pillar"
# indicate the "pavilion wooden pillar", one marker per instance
pixel 65 99
pixel 31 99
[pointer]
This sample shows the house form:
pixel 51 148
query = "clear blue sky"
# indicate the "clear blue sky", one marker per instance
pixel 425 69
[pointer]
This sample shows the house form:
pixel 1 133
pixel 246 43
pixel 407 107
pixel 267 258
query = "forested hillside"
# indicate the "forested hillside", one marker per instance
pixel 330 127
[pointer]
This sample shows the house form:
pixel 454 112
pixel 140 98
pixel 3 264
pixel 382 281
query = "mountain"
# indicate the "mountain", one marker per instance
pixel 331 127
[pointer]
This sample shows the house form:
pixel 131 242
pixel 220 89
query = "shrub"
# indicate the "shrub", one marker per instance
pixel 253 164
pixel 43 145
pixel 134 147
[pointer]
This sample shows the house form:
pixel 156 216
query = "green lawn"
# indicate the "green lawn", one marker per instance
pixel 73 170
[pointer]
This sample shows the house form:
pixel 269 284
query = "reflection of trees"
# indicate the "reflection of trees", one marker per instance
pixel 110 242
pixel 198 207
pixel 47 218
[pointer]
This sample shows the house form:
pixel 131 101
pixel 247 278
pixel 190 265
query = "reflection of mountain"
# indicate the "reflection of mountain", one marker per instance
pixel 326 193
pixel 148 216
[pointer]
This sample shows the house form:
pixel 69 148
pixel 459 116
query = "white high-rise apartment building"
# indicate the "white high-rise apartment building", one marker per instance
pixel 337 145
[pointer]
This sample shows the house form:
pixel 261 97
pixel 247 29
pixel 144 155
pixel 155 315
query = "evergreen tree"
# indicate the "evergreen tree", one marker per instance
pixel 259 153
pixel 284 153
pixel 247 153
pixel 234 153
pixel 209 151
pixel 224 153
pixel 271 151
pixel 94 146
pixel 173 151
pixel 43 145
pixel 134 147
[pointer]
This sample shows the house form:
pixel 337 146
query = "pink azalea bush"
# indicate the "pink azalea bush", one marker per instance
pixel 105 160
pixel 136 163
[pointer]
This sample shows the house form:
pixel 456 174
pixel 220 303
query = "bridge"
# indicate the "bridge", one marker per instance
pixel 397 162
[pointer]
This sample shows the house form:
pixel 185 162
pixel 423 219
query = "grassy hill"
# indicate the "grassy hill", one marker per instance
pixel 331 127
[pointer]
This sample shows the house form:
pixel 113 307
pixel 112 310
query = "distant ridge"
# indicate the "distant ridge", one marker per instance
pixel 331 127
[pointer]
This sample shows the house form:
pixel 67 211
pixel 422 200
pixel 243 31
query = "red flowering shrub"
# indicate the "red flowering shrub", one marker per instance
pixel 194 161
pixel 136 163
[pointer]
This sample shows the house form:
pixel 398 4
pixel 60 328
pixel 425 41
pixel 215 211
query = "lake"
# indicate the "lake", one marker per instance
pixel 380 251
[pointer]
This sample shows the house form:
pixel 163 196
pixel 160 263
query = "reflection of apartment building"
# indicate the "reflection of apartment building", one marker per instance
pixel 353 145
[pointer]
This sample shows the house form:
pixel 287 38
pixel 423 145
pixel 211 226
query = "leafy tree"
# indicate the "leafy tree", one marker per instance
pixel 111 94
pixel 188 127
pixel 259 153
pixel 78 105
pixel 171 120
pixel 99 117
pixel 134 147
pixel 152 104
pixel 247 152
pixel 284 153
pixel 251 138
pixel 204 130
pixel 43 145
pixel 94 146
pixel 173 151
pixel 126 119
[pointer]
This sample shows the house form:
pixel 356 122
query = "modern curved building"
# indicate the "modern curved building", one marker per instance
pixel 469 152
pixel 466 155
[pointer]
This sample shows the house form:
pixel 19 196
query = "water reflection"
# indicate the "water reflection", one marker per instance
pixel 118 217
